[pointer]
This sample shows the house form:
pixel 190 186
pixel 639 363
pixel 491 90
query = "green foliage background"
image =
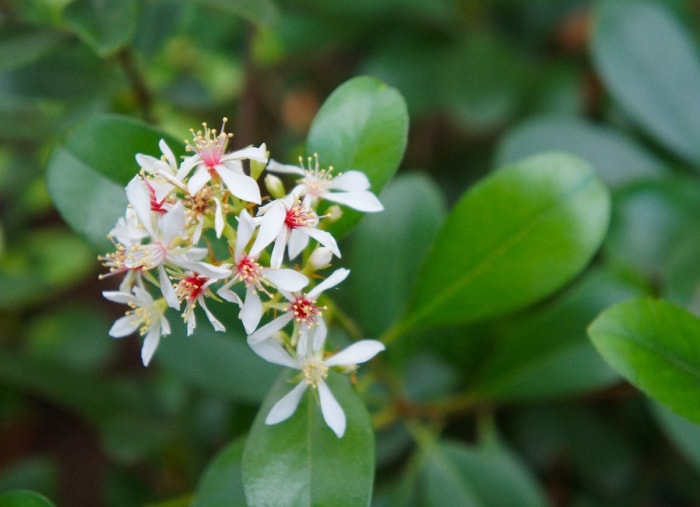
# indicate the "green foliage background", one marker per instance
pixel 481 278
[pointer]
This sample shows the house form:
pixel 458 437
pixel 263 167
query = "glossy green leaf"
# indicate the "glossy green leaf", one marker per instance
pixel 514 237
pixel 89 167
pixel 656 346
pixel 221 485
pixel 650 64
pixel 23 498
pixel 615 157
pixel 217 362
pixel 300 461
pixel 106 27
pixel 362 125
pixel 261 12
pixel 386 247
pixel 454 474
pixel 545 353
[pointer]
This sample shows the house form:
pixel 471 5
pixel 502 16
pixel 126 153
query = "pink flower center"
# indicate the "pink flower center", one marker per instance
pixel 210 145
pixel 305 310
pixel 191 287
pixel 300 216
pixel 249 271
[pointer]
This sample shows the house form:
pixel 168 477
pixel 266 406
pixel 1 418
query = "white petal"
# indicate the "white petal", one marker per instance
pixel 218 326
pixel 361 201
pixel 271 224
pixel 150 344
pixel 187 166
pixel 350 181
pixel 276 167
pixel 139 197
pixel 172 223
pixel 230 296
pixel 286 279
pixel 252 311
pixel 124 326
pixel 284 408
pixel 118 296
pixel 167 289
pixel 271 351
pixel 325 238
pixel 249 152
pixel 332 411
pixel 169 155
pixel 334 279
pixel 218 218
pixel 318 334
pixel 277 255
pixel 357 353
pixel 270 328
pixel 246 228
pixel 298 240
pixel 241 185
pixel 198 180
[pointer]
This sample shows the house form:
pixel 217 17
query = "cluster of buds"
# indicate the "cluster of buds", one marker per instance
pixel 210 195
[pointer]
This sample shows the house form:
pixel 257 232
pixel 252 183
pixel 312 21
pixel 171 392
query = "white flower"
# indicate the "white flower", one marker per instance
pixel 211 159
pixel 314 373
pixel 350 188
pixel 165 168
pixel 303 309
pixel 255 277
pixel 146 316
pixel 193 289
pixel 290 222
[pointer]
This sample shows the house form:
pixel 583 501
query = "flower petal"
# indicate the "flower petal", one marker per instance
pixel 271 224
pixel 270 328
pixel 167 289
pixel 251 311
pixel 298 239
pixel 118 296
pixel 218 326
pixel 332 411
pixel 272 352
pixel 140 199
pixel 124 326
pixel 350 181
pixel 200 178
pixel 360 200
pixel 251 152
pixel 357 353
pixel 241 185
pixel 334 279
pixel 284 408
pixel 246 228
pixel 172 224
pixel 150 344
pixel 286 279
pixel 325 238
pixel 276 167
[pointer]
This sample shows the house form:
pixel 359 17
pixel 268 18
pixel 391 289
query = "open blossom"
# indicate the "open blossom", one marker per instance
pixel 290 223
pixel 314 370
pixel 145 316
pixel 255 277
pixel 350 188
pixel 193 288
pixel 302 309
pixel 165 168
pixel 211 160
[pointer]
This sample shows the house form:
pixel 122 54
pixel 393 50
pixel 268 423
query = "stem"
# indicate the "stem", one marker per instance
pixel 144 99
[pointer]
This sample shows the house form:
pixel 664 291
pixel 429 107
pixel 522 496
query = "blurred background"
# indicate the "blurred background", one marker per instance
pixel 486 81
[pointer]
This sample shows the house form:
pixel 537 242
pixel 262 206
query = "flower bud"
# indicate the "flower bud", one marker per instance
pixel 320 258
pixel 334 213
pixel 275 186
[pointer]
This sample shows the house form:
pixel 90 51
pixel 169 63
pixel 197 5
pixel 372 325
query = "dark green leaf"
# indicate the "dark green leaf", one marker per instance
pixel 363 125
pixel 106 26
pixel 89 167
pixel 300 461
pixel 388 247
pixel 616 158
pixel 656 346
pixel 23 498
pixel 222 482
pixel 261 12
pixel 21 47
pixel 650 64
pixel 513 238
pixel 683 433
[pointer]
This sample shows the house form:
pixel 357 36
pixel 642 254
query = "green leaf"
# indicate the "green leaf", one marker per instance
pixel 514 237
pixel 261 12
pixel 300 461
pixel 454 474
pixel 222 482
pixel 388 245
pixel 545 353
pixel 18 48
pixel 106 26
pixel 23 498
pixel 362 125
pixel 220 364
pixel 615 157
pixel 684 434
pixel 649 63
pixel 656 346
pixel 89 167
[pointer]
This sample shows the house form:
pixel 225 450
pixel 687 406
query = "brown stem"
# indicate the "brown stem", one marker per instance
pixel 144 99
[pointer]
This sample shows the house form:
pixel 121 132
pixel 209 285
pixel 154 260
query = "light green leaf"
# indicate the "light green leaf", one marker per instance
pixel 454 474
pixel 656 346
pixel 615 157
pixel 387 247
pixel 514 237
pixel 545 353
pixel 363 125
pixel 23 498
pixel 104 25
pixel 300 461
pixel 650 65
pixel 221 484
pixel 261 12
pixel 89 167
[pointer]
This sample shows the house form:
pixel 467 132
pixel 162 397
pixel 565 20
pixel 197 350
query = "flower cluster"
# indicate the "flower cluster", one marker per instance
pixel 277 247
